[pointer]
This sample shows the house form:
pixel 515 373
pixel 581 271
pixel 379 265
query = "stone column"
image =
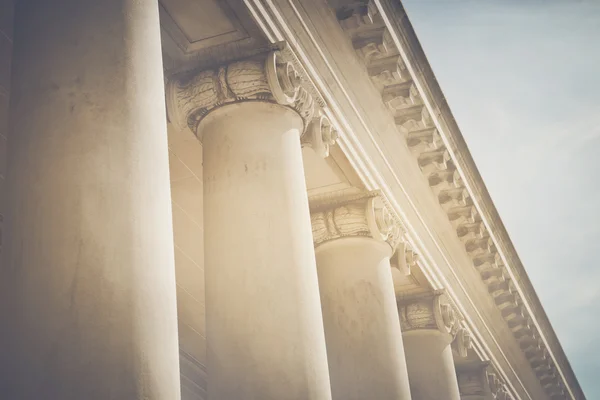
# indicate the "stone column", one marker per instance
pixel 477 380
pixel 88 283
pixel 496 385
pixel 264 324
pixel 473 382
pixel 429 324
pixel 354 239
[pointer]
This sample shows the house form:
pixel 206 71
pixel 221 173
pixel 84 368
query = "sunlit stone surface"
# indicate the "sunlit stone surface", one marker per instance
pixel 325 234
pixel 88 279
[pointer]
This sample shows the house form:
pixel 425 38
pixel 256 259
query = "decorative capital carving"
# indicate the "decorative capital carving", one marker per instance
pixel 462 342
pixel 497 386
pixel 479 380
pixel 431 311
pixel 320 135
pixel 275 76
pixel 473 379
pixel 357 215
pixel 406 258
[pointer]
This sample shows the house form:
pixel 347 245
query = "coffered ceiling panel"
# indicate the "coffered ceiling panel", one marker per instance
pixel 205 33
pixel 196 24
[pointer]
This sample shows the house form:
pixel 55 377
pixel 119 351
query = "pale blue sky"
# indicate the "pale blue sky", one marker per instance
pixel 523 81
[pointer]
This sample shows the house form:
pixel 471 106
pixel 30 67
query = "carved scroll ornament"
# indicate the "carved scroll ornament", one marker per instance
pixel 274 77
pixel 428 311
pixel 479 380
pixel 363 215
pixel 497 386
pixel 473 379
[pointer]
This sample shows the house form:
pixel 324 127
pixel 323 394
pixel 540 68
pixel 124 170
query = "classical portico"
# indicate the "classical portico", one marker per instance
pixel 250 199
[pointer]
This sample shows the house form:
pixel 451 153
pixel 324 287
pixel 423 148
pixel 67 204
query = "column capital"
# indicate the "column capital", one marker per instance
pixel 429 311
pixel 479 380
pixel 462 342
pixel 274 75
pixel 496 384
pixel 473 380
pixel 355 215
pixel 406 258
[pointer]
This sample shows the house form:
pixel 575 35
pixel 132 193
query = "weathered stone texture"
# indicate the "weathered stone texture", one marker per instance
pixel 6 28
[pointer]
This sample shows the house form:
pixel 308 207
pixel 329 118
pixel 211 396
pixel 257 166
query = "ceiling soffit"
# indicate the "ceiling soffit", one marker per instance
pixel 198 32
pixel 199 24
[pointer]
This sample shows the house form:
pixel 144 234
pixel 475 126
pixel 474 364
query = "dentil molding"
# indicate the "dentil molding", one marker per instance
pixel 273 76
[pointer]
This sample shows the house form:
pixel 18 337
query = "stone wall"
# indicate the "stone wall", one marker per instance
pixel 6 31
pixel 185 164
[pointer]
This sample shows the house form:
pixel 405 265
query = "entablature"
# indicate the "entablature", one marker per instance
pixel 400 137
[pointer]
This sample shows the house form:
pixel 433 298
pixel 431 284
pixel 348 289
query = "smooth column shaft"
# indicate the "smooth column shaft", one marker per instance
pixel 88 283
pixel 362 327
pixel 264 325
pixel 430 363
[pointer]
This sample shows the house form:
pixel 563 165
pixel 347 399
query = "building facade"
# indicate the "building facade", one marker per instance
pixel 249 199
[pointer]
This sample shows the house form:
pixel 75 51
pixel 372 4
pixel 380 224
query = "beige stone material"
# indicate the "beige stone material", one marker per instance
pixel 386 46
pixel 273 76
pixel 264 325
pixel 88 283
pixel 429 324
pixel 86 291
pixel 473 381
pixel 354 241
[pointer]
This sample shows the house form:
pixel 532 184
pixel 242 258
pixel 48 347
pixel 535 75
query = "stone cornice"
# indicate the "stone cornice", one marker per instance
pixel 452 175
pixel 380 160
pixel 271 75
pixel 362 214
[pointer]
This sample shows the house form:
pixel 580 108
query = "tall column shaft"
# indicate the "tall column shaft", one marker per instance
pixel 362 328
pixel 429 325
pixel 264 326
pixel 430 365
pixel 88 284
pixel 265 335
